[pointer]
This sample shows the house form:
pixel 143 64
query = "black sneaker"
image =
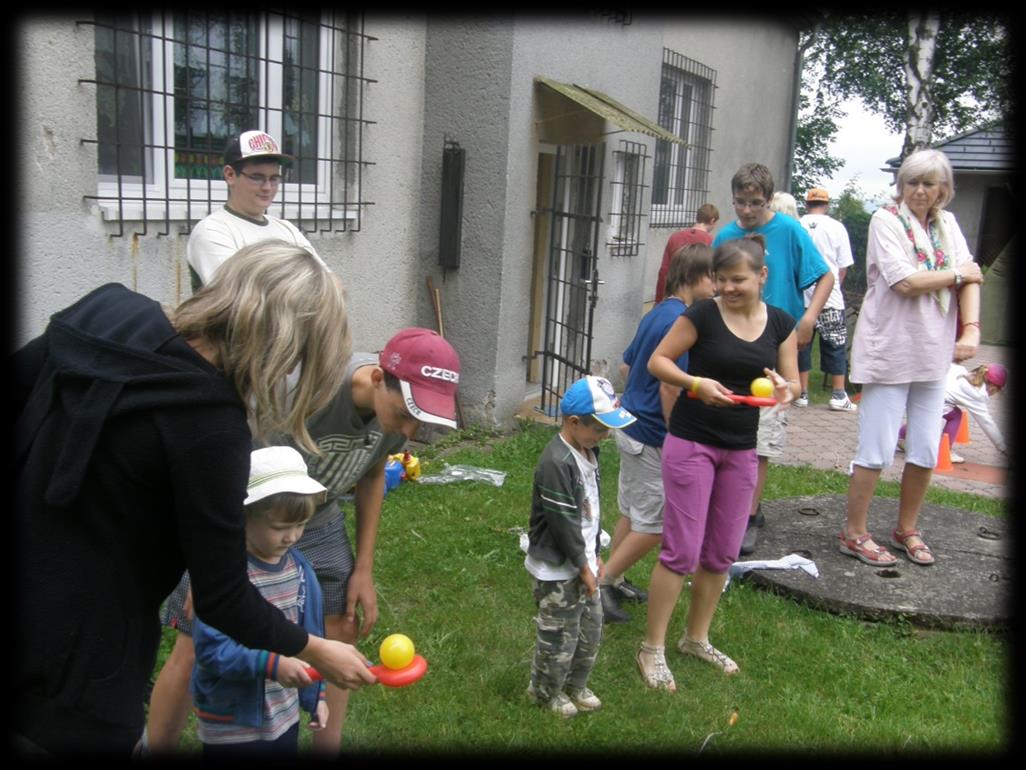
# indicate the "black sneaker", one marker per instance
pixel 630 592
pixel 755 523
pixel 611 610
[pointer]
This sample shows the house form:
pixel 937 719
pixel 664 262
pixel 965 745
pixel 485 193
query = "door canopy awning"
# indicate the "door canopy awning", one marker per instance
pixel 571 116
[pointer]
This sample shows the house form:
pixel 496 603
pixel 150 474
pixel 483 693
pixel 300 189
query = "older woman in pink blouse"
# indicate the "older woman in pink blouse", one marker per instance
pixel 920 312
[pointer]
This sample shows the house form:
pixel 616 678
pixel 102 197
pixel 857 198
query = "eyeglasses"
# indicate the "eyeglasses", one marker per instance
pixel 743 204
pixel 261 180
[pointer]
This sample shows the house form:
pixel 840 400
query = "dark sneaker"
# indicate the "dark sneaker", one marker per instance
pixel 751 539
pixel 611 610
pixel 630 592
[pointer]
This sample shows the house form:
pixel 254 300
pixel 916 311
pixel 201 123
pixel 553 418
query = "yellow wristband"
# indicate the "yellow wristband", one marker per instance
pixel 694 384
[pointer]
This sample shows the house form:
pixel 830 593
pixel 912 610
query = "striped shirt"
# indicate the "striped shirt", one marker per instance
pixel 279 584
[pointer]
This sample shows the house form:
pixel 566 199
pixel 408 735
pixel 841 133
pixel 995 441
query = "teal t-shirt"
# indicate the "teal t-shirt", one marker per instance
pixel 793 260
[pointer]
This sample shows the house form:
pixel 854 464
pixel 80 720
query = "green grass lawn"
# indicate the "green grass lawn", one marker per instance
pixel 450 575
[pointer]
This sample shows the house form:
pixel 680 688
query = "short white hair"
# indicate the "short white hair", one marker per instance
pixel 784 203
pixel 924 164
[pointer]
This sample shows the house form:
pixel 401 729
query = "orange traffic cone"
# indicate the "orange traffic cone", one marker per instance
pixel 944 455
pixel 963 429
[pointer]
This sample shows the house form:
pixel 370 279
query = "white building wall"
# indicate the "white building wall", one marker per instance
pixel 66 249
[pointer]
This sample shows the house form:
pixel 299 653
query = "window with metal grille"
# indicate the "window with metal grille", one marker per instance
pixel 680 180
pixel 173 88
pixel 624 234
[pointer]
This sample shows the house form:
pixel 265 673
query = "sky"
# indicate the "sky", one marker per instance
pixel 865 144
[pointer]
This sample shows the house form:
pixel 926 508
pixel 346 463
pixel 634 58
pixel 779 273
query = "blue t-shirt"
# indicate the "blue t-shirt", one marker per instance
pixel 793 260
pixel 641 396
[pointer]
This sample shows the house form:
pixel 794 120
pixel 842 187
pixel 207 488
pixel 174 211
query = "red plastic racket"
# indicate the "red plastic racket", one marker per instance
pixel 390 677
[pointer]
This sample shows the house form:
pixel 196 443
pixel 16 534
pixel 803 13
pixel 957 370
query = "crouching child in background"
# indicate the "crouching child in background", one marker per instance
pixel 563 552
pixel 247 701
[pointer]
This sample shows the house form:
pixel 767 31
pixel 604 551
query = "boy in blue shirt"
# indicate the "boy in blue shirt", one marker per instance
pixel 247 701
pixel 563 551
pixel 794 265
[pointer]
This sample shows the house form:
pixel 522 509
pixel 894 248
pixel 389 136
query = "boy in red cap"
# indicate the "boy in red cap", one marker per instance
pixel 383 401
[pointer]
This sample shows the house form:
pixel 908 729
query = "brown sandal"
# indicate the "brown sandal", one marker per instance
pixel 919 553
pixel 856 546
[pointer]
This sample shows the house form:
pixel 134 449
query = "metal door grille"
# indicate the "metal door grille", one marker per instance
pixel 572 289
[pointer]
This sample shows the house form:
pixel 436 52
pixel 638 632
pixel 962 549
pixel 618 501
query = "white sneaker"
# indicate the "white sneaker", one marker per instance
pixel 842 405
pixel 801 401
pixel 585 700
pixel 957 458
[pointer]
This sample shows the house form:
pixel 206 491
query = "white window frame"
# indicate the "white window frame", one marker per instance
pixel 624 185
pixel 192 198
pixel 693 92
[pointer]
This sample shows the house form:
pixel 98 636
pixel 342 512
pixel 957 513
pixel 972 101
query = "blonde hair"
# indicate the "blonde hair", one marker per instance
pixel 784 203
pixel 928 163
pixel 269 308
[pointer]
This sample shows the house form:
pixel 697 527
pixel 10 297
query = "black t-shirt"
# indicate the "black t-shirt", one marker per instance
pixel 734 362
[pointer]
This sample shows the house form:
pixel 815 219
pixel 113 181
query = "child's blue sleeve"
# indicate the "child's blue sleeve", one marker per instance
pixel 222 655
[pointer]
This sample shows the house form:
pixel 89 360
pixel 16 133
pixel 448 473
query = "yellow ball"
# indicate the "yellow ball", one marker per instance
pixel 762 387
pixel 396 651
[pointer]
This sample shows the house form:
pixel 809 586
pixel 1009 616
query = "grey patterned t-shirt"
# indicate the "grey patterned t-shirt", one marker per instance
pixel 349 446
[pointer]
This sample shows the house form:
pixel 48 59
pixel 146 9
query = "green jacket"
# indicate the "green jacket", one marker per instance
pixel 556 502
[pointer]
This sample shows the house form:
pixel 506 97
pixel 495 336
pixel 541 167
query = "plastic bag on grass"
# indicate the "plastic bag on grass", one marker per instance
pixel 453 473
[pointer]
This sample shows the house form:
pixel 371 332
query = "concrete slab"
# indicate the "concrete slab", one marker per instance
pixel 969 586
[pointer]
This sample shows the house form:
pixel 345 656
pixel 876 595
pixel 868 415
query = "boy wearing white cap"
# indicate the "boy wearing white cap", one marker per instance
pixel 563 551
pixel 247 700
pixel 253 173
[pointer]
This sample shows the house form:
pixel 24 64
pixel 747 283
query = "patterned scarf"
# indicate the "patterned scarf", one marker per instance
pixel 930 246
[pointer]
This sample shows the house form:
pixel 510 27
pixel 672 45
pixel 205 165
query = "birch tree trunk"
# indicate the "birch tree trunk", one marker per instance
pixel 923 27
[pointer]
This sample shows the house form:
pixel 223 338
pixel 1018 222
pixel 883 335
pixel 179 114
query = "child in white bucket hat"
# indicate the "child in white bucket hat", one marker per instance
pixel 247 700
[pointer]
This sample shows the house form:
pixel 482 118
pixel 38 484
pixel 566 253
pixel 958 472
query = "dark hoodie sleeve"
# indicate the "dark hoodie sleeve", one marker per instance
pixel 209 475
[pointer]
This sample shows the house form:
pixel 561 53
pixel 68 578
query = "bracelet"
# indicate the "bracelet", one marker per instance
pixel 694 384
pixel 971 323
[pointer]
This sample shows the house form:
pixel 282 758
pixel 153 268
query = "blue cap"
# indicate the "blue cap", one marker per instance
pixel 595 396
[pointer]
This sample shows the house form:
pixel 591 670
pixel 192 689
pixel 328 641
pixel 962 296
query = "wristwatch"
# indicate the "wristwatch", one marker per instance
pixel 958 277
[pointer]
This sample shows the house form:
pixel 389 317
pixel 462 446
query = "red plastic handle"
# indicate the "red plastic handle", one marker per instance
pixel 748 400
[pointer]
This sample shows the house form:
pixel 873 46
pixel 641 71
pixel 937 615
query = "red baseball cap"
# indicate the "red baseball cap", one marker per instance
pixel 428 370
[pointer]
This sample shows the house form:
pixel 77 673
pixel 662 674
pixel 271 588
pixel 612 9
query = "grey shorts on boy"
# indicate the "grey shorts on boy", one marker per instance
pixel 640 494
pixel 772 436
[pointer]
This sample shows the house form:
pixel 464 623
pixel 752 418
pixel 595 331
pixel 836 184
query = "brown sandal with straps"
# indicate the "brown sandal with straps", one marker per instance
pixel 919 553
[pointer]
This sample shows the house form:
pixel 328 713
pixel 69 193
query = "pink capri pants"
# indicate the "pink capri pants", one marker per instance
pixel 708 499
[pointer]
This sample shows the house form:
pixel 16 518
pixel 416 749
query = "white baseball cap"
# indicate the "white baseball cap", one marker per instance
pixel 276 469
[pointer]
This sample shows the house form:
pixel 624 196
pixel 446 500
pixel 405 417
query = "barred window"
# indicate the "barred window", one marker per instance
pixel 624 235
pixel 680 181
pixel 173 89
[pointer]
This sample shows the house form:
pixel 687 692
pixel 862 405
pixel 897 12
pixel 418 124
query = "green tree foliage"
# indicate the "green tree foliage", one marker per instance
pixel 864 56
pixel 817 127
pixel 850 209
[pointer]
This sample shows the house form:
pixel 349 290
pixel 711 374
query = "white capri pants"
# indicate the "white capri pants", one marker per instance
pixel 880 411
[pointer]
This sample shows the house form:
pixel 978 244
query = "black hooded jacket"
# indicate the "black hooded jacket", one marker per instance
pixel 131 463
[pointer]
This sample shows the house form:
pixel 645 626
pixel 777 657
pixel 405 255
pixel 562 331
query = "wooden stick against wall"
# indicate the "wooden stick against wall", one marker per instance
pixel 436 303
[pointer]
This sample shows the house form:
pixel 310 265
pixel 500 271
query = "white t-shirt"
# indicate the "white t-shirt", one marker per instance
pixel 220 234
pixel 590 524
pixel 831 239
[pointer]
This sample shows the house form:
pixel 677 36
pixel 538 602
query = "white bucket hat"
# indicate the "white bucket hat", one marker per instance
pixel 277 469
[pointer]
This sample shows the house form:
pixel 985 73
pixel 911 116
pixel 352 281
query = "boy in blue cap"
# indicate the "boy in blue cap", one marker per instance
pixel 563 552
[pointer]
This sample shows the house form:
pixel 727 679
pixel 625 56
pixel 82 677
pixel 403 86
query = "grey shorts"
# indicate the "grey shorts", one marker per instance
pixel 640 494
pixel 327 548
pixel 772 436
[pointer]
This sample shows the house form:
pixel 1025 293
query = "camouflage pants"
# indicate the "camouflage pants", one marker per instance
pixel 569 634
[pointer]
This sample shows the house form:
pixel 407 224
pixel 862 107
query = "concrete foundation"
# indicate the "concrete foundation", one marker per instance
pixel 969 585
